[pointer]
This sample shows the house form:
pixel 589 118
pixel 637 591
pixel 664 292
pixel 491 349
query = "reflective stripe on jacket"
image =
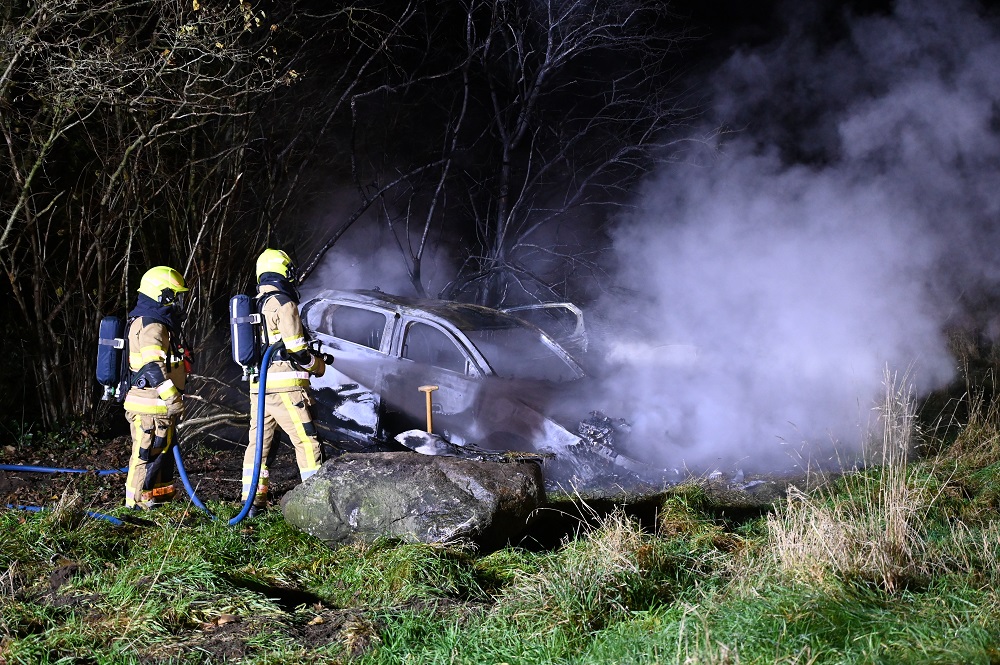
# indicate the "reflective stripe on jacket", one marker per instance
pixel 152 343
pixel 145 400
pixel 281 322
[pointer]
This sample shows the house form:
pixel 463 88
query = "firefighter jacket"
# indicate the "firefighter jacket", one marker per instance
pixel 281 323
pixel 156 362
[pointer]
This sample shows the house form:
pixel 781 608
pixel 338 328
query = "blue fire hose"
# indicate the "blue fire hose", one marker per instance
pixel 258 452
pixel 181 471
pixel 52 469
pixel 114 520
pixel 90 513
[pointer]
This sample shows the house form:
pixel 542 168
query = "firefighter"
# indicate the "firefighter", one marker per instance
pixel 157 369
pixel 287 400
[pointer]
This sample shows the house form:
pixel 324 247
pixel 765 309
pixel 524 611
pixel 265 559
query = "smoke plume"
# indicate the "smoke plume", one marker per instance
pixel 828 238
pixel 369 256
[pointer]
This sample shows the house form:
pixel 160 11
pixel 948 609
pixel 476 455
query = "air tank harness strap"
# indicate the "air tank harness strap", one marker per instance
pixel 149 376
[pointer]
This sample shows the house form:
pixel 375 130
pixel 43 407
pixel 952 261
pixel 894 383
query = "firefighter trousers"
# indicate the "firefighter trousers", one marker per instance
pixel 150 478
pixel 289 411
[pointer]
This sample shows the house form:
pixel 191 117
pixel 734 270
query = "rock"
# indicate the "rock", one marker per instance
pixel 359 497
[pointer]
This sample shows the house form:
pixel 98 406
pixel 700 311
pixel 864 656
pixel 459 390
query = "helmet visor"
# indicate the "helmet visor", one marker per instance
pixel 171 297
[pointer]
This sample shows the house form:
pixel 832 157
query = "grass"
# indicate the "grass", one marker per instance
pixel 896 563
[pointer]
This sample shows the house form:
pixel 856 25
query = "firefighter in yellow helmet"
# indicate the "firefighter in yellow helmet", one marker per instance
pixel 157 370
pixel 286 401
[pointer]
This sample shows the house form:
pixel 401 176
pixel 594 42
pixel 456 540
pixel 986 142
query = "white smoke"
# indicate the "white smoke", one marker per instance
pixel 829 240
pixel 370 255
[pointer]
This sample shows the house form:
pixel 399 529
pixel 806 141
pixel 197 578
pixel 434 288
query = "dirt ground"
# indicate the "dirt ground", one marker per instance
pixel 214 469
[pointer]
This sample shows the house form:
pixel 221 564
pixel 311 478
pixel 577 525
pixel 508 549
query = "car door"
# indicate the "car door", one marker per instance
pixel 430 354
pixel 359 338
pixel 561 321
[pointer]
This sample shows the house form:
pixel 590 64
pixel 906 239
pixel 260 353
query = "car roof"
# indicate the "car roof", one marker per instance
pixel 462 315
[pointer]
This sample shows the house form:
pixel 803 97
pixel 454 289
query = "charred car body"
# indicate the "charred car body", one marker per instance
pixel 501 383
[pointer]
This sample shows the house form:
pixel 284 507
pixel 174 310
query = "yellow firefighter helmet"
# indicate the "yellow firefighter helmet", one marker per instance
pixel 162 284
pixel 276 261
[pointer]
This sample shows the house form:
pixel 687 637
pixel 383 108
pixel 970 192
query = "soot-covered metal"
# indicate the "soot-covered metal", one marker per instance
pixel 483 381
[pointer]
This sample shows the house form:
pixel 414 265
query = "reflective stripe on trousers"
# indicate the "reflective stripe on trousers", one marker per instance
pixel 151 464
pixel 290 411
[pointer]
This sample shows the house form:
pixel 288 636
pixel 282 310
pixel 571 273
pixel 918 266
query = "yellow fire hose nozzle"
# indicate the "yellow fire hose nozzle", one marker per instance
pixel 427 390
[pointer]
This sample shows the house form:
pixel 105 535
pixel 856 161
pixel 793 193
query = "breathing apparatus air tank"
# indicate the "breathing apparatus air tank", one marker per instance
pixel 243 323
pixel 110 347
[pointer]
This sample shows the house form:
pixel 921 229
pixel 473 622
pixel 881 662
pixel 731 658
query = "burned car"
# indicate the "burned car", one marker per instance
pixel 480 378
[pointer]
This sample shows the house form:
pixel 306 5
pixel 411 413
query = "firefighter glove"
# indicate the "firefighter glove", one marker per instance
pixel 175 406
pixel 318 367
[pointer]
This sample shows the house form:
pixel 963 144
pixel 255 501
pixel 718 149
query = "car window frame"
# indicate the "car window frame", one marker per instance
pixel 385 342
pixel 579 327
pixel 472 363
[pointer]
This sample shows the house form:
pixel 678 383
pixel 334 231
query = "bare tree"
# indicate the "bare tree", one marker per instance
pixel 125 124
pixel 177 132
pixel 535 119
pixel 350 58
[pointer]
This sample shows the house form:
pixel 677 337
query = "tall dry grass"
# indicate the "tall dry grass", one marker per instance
pixel 977 443
pixel 870 525
pixel 587 581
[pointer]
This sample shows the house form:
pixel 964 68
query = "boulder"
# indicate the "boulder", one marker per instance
pixel 417 498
